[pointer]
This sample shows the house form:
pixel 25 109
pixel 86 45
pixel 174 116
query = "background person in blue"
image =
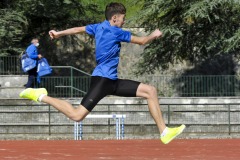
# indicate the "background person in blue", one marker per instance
pixel 104 81
pixel 32 52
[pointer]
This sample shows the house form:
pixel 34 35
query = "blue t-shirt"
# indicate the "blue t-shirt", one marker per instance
pixel 108 44
pixel 32 51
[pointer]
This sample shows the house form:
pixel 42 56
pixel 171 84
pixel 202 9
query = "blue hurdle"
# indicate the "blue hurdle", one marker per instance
pixel 78 126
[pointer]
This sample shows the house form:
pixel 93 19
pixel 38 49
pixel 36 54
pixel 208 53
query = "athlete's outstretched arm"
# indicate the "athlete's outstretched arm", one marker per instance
pixel 54 34
pixel 146 39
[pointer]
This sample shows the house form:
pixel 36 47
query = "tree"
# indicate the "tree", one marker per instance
pixel 13 27
pixel 22 20
pixel 193 30
pixel 132 7
pixel 45 15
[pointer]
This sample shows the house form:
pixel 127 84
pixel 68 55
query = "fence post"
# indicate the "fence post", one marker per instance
pixel 168 114
pixel 49 120
pixel 109 121
pixel 71 82
pixel 229 120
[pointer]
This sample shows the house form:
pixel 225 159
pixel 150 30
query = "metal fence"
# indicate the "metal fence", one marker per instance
pixel 65 86
pixel 10 65
pixel 67 81
pixel 214 120
pixel 167 86
pixel 194 86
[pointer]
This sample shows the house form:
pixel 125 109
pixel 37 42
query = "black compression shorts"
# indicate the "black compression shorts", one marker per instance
pixel 101 87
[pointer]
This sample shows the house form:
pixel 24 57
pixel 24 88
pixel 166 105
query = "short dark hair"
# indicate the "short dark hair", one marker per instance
pixel 114 8
pixel 34 39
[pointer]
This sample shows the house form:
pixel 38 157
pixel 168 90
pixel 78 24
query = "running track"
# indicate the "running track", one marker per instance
pixel 194 149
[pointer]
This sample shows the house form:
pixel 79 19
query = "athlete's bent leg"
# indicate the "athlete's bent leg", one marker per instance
pixel 150 93
pixel 40 95
pixel 76 114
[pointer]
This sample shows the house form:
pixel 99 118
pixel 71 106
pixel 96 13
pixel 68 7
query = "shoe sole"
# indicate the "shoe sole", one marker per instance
pixel 43 90
pixel 177 134
pixel 22 93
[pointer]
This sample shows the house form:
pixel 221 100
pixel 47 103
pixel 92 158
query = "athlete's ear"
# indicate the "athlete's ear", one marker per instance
pixel 114 18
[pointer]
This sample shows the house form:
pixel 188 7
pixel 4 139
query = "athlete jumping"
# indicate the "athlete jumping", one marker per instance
pixel 104 80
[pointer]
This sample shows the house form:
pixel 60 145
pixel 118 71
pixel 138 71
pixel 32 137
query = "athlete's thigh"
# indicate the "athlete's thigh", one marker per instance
pixel 126 88
pixel 99 88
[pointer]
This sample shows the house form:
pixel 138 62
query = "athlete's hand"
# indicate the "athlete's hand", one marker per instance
pixel 157 33
pixel 53 34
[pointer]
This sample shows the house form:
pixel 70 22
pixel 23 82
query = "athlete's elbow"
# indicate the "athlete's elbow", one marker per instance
pixel 144 43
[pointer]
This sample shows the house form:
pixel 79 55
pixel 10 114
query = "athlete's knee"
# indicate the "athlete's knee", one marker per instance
pixel 79 114
pixel 77 117
pixel 151 91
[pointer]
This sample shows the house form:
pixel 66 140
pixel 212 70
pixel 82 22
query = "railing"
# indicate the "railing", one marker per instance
pixel 203 119
pixel 79 80
pixel 67 81
pixel 65 86
pixel 167 86
pixel 193 86
pixel 10 65
pixel 72 69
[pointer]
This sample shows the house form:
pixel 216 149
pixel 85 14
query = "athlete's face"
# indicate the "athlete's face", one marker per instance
pixel 119 20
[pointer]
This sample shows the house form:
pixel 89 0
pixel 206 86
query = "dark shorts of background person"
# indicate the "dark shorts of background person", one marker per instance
pixel 101 87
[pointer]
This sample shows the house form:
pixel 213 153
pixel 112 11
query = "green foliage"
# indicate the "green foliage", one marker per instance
pixel 25 19
pixel 193 30
pixel 196 84
pixel 233 42
pixel 132 6
pixel 45 15
pixel 13 27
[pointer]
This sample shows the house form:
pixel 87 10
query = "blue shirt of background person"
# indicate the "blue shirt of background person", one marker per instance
pixel 32 51
pixel 108 44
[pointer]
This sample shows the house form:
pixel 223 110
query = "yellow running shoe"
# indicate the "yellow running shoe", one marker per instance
pixel 172 133
pixel 33 94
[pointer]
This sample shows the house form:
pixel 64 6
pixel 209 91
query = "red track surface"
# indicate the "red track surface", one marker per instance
pixel 224 149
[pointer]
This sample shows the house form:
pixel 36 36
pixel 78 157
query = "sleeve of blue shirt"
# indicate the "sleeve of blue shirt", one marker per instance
pixel 32 51
pixel 91 29
pixel 124 36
